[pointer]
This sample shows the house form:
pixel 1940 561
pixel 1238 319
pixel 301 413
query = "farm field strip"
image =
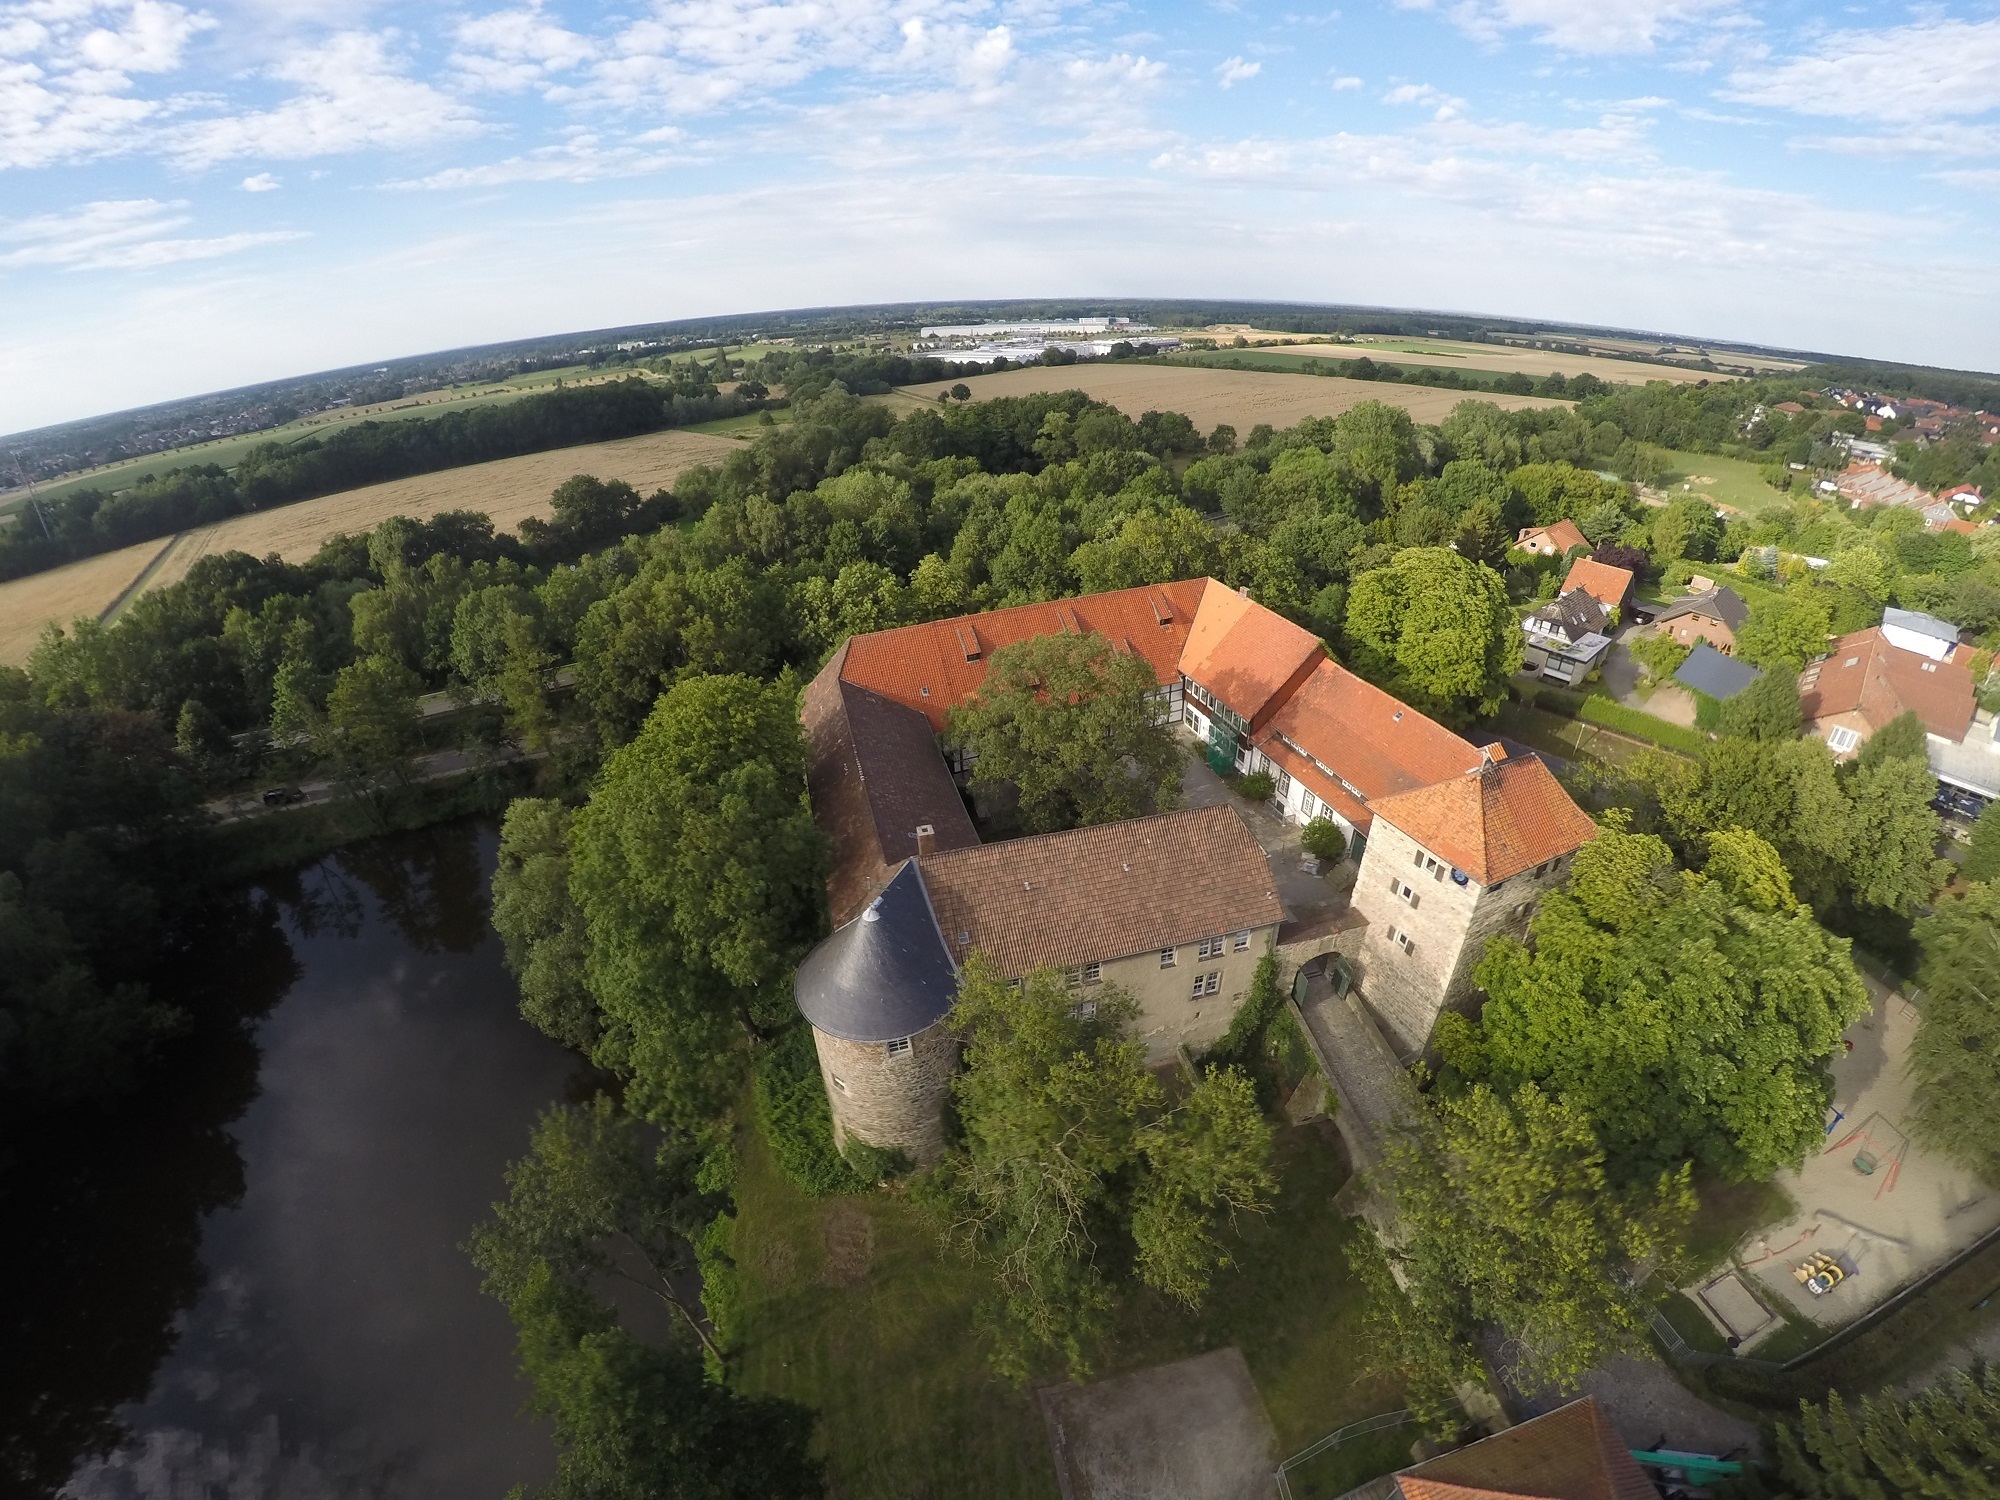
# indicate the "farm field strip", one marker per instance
pixel 1241 398
pixel 1500 359
pixel 507 489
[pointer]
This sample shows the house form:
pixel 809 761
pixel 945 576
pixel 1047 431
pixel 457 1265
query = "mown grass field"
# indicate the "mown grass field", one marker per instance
pixel 1727 481
pixel 508 489
pixel 1241 398
pixel 852 1307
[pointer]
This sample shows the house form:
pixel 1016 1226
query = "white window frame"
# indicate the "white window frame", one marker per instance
pixel 1284 785
pixel 1214 982
pixel 1242 940
pixel 896 1046
pixel 1169 957
pixel 1840 739
pixel 838 1082
pixel 1404 892
pixel 1093 972
pixel 1404 941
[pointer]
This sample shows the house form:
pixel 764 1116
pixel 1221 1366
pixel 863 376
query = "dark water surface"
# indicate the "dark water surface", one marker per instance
pixel 249 1284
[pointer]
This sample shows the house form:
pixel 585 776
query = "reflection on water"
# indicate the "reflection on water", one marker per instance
pixel 261 1258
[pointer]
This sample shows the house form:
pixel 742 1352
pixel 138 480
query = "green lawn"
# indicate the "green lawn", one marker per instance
pixel 1732 481
pixel 882 1344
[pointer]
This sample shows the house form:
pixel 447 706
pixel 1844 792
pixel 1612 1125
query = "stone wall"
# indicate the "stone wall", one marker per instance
pixel 1170 1016
pixel 891 1101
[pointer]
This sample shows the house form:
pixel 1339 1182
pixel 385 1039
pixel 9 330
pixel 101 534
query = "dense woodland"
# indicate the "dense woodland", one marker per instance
pixel 656 893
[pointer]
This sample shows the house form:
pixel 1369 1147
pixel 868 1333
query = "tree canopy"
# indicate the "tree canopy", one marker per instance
pixel 1436 629
pixel 1941 1444
pixel 1685 1015
pixel 1071 727
pixel 1956 1059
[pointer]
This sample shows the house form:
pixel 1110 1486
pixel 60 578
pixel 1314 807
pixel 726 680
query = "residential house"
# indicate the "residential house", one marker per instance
pixel 1865 484
pixel 1567 636
pixel 1707 671
pixel 1175 908
pixel 1571 1453
pixel 1924 634
pixel 1715 615
pixel 1611 587
pixel 1865 683
pixel 1558 540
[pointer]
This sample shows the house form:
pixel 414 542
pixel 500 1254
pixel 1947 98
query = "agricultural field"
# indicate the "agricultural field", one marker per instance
pixel 88 587
pixel 508 489
pixel 1241 398
pixel 1496 359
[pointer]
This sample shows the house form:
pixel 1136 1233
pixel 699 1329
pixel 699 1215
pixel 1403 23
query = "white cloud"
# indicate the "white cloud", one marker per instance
pixel 1446 106
pixel 351 96
pixel 1593 26
pixel 582 158
pixel 1235 71
pixel 1940 138
pixel 67 73
pixel 262 182
pixel 1904 74
pixel 118 234
pixel 1349 82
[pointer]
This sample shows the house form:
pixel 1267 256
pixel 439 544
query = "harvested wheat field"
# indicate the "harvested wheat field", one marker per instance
pixel 88 588
pixel 1242 398
pixel 508 489
pixel 1508 361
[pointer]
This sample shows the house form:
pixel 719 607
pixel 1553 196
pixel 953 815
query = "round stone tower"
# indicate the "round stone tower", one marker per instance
pixel 877 993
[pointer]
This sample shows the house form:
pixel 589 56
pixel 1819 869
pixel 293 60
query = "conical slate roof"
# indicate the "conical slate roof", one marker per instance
pixel 885 974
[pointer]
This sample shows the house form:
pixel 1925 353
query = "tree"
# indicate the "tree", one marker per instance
pixel 596 1201
pixel 1893 859
pixel 371 727
pixel 1071 1155
pixel 1956 1058
pixel 1941 1444
pixel 1768 709
pixel 1072 727
pixel 1437 630
pixel 540 927
pixel 1902 738
pixel 1685 1015
pixel 1151 546
pixel 1790 632
pixel 1982 860
pixel 699 874
pixel 1504 1215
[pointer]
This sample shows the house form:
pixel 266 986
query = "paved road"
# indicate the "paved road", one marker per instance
pixel 433 767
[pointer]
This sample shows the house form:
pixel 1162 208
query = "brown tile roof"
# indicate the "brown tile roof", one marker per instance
pixel 1865 673
pixel 875 774
pixel 1574 614
pixel 1350 743
pixel 1608 585
pixel 1247 655
pixel 932 667
pixel 1573 1453
pixel 1094 894
pixel 1505 817
pixel 1563 535
pixel 1721 603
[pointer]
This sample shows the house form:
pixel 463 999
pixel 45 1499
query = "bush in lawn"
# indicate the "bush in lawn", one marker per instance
pixel 1256 787
pixel 791 1106
pixel 1660 655
pixel 1323 839
pixel 874 1164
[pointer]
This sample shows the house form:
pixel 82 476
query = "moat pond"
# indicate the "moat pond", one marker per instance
pixel 247 1281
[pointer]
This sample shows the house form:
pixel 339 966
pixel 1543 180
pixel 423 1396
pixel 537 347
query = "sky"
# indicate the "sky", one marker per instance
pixel 197 196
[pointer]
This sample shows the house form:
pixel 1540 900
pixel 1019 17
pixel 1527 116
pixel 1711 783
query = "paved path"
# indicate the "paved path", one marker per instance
pixel 433 767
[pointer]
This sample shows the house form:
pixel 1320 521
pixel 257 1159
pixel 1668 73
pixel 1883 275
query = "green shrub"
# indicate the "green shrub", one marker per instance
pixel 874 1164
pixel 1323 839
pixel 791 1107
pixel 1660 655
pixel 1599 709
pixel 1243 1039
pixel 721 1282
pixel 1256 787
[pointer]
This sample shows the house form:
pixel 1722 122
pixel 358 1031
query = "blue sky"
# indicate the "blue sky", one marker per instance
pixel 197 195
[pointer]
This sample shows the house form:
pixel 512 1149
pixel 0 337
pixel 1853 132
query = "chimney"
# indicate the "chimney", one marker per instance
pixel 926 840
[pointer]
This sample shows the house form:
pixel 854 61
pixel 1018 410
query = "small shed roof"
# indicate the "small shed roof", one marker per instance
pixel 1707 670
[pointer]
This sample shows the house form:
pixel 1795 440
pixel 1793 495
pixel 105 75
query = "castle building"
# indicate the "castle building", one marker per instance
pixel 1453 844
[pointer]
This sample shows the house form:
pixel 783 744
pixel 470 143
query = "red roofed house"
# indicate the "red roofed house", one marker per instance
pixel 1865 682
pixel 1572 1453
pixel 1453 843
pixel 1609 586
pixel 1558 540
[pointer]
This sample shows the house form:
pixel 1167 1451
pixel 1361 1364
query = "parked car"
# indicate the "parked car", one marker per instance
pixel 1957 802
pixel 283 796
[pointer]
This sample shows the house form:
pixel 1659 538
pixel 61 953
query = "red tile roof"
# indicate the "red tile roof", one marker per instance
pixel 1505 817
pixel 932 667
pixel 1563 535
pixel 1609 586
pixel 1573 1453
pixel 1865 673
pixel 1246 655
pixel 1350 743
pixel 1093 894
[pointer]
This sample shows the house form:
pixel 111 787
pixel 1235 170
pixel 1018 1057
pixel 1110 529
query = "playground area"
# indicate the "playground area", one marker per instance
pixel 1875 1210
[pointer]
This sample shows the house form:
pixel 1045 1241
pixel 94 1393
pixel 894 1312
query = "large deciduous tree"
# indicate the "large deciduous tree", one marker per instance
pixel 1956 1059
pixel 1505 1216
pixel 1941 1444
pixel 1074 1165
pixel 1435 628
pixel 699 872
pixel 1071 726
pixel 540 926
pixel 1685 1015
